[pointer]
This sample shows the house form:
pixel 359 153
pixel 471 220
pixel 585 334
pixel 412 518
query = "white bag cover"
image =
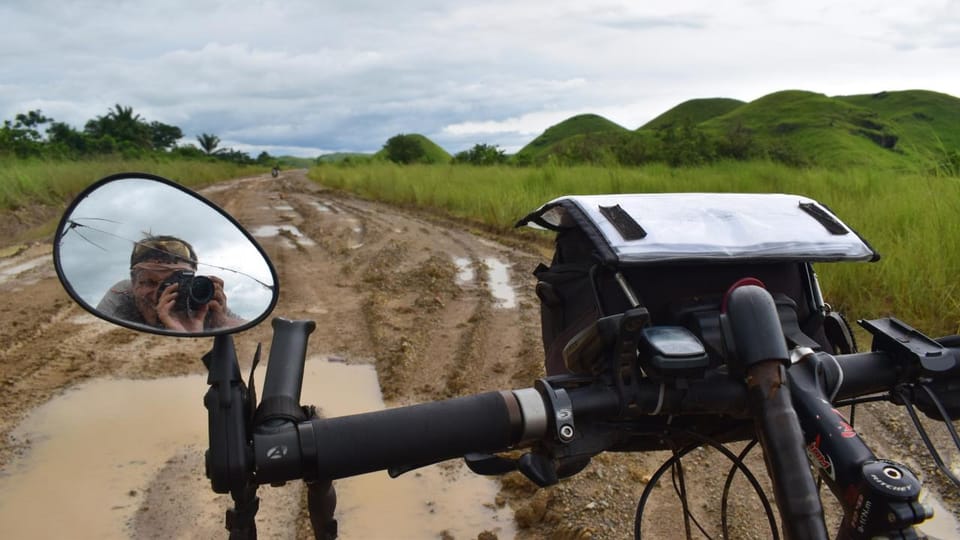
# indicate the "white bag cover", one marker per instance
pixel 707 227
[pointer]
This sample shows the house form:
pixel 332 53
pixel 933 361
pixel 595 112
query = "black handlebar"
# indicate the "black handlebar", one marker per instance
pixel 417 435
pixel 495 421
pixel 400 438
pixel 404 438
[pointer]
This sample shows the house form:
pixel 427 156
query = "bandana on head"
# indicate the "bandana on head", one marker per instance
pixel 169 251
pixel 160 267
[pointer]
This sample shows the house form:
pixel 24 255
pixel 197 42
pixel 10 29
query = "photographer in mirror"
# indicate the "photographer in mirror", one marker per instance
pixel 164 290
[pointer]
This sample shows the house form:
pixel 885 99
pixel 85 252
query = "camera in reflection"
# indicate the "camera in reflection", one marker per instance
pixel 193 292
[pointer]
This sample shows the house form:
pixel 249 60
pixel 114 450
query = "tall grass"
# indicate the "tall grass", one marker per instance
pixel 913 220
pixel 24 182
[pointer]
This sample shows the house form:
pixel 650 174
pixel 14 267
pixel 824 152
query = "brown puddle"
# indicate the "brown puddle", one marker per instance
pixel 94 451
pixel 943 525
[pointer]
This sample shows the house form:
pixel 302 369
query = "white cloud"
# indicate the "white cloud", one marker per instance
pixel 310 75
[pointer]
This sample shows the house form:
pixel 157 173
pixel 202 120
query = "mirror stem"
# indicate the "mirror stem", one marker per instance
pixel 229 459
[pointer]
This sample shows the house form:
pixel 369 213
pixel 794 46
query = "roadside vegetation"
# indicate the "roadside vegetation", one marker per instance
pixel 911 219
pixel 54 182
pixel 46 161
pixel 913 131
pixel 886 163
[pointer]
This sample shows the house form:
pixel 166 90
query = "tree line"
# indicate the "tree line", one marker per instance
pixel 118 132
pixel 681 144
pixel 406 149
pixel 122 132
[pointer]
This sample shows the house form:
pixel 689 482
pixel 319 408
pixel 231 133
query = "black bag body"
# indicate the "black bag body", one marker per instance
pixel 614 250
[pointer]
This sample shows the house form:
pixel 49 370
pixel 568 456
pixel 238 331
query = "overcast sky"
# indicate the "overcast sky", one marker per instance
pixel 306 77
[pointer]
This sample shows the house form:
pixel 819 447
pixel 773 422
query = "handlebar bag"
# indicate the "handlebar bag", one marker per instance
pixel 679 253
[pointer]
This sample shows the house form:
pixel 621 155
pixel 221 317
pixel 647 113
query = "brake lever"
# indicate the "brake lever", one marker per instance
pixel 489 464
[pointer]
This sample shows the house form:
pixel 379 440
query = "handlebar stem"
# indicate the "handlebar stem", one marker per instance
pixel 878 496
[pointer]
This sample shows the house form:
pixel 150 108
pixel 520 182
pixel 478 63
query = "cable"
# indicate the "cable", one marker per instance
pixel 836 388
pixel 856 401
pixel 926 438
pixel 943 414
pixel 656 412
pixel 764 500
pixel 677 472
pixel 726 492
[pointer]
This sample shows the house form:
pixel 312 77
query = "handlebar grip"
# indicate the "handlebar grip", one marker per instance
pixel 415 435
pixel 284 378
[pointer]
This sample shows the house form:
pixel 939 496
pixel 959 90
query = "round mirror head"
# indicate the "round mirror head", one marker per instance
pixel 143 252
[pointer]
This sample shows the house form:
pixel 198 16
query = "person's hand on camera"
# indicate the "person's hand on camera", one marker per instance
pixel 177 319
pixel 220 316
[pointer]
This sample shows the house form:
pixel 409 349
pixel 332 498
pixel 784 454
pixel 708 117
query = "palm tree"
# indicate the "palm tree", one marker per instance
pixel 123 126
pixel 209 142
pixel 123 115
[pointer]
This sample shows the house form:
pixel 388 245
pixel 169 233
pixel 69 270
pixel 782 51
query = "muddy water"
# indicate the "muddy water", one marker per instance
pixel 497 279
pixel 944 525
pixel 94 451
pixel 266 231
pixel 8 271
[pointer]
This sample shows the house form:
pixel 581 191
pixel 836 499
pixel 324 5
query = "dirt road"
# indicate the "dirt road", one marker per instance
pixel 438 309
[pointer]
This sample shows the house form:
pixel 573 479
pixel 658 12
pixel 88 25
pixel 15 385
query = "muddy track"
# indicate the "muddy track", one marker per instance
pixel 413 294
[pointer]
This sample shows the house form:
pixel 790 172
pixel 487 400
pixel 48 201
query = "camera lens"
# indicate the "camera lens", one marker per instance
pixel 201 291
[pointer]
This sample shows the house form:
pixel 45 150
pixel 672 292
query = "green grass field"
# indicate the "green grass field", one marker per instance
pixel 25 183
pixel 56 182
pixel 912 220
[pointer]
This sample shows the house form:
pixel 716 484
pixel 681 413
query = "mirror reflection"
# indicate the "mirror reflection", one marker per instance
pixel 148 255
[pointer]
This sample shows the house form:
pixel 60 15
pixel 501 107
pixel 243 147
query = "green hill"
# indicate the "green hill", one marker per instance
pixel 926 121
pixel 338 157
pixel 293 162
pixel 579 125
pixel 431 152
pixel 435 154
pixel 820 129
pixel 695 111
pixel 906 130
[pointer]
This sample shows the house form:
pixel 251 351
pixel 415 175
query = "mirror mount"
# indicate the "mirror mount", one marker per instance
pixel 229 459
